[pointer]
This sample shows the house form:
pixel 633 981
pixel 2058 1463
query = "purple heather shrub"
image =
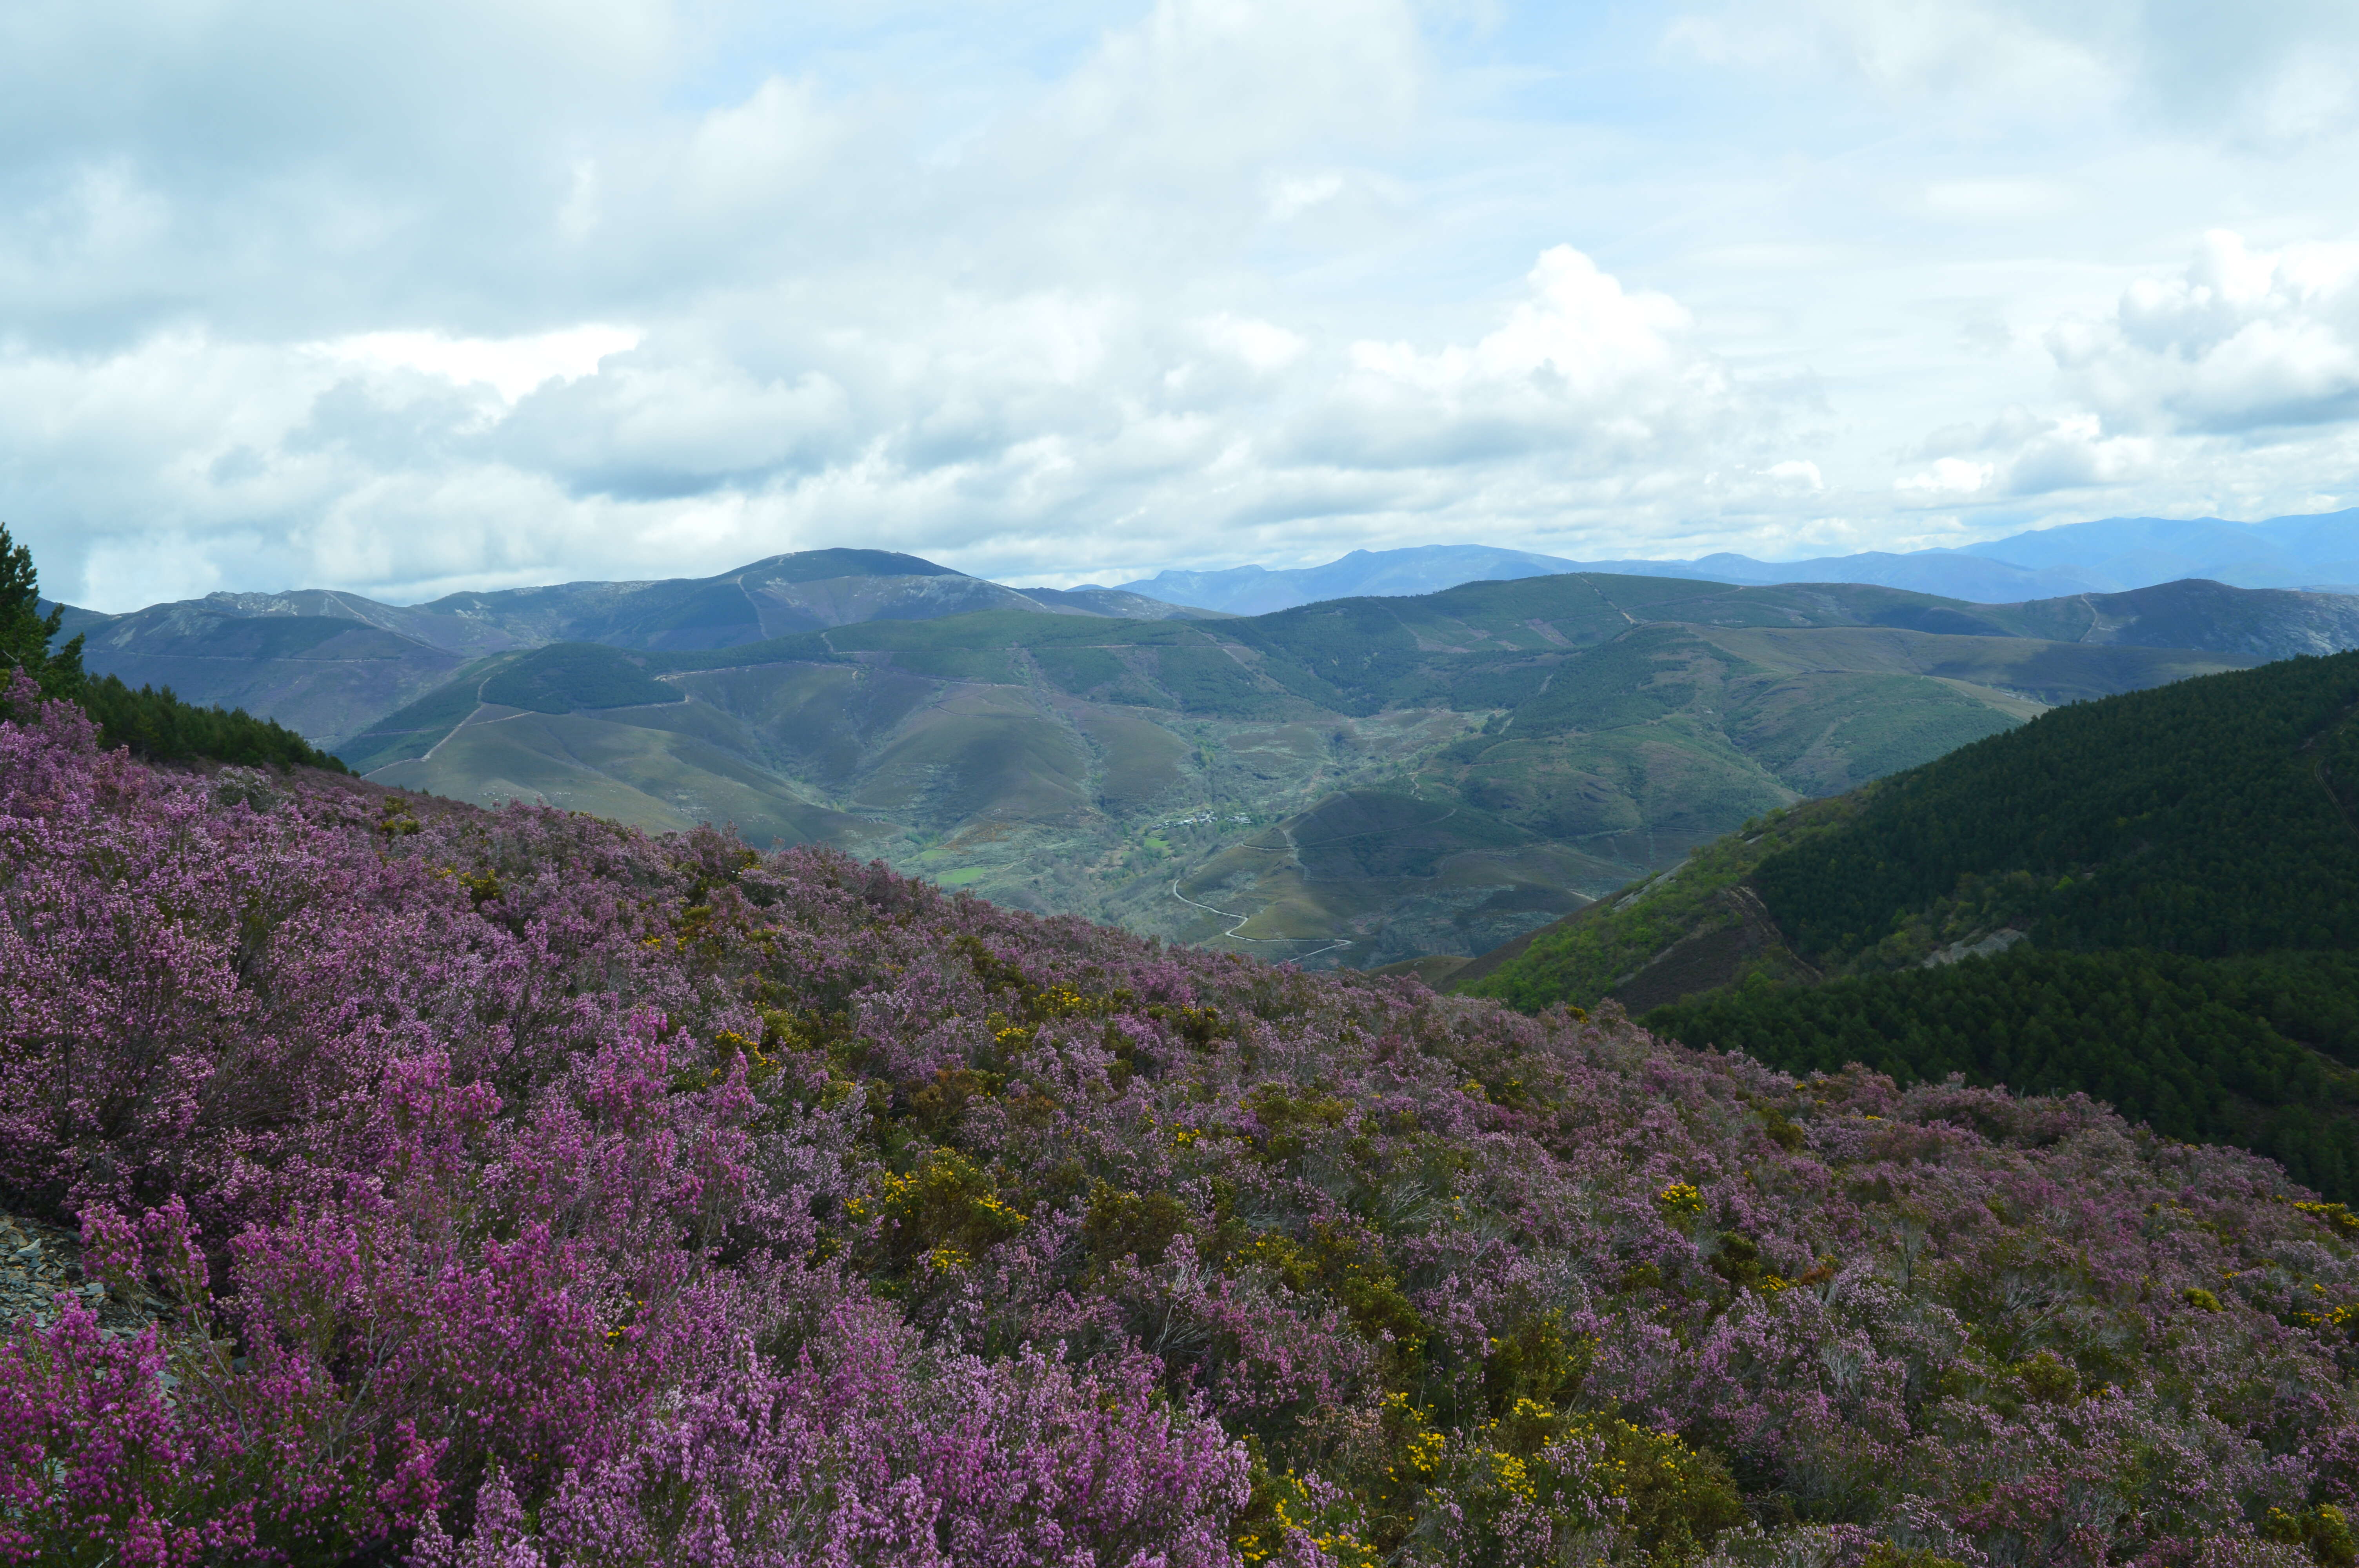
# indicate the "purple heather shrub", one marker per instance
pixel 524 1190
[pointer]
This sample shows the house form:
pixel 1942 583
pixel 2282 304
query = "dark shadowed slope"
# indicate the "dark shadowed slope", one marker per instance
pixel 2154 898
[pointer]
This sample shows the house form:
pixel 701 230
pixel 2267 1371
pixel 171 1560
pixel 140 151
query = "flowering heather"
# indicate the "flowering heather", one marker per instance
pixel 529 1191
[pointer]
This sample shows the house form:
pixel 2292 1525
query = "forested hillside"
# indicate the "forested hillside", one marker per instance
pixel 2163 887
pixel 473 1188
pixel 2211 816
pixel 2256 1051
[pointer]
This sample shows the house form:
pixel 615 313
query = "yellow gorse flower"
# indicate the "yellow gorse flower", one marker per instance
pixel 1682 1199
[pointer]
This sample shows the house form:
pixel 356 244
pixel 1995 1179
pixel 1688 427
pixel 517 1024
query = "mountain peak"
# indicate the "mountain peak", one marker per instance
pixel 820 566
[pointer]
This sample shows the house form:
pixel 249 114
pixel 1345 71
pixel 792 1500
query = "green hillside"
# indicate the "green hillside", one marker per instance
pixel 1358 782
pixel 2152 898
pixel 2257 1051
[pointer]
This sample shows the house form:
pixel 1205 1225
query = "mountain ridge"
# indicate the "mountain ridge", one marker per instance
pixel 323 660
pixel 2318 551
pixel 1347 781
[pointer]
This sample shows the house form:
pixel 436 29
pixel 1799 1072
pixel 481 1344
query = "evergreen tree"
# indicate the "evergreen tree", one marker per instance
pixel 26 633
pixel 154 724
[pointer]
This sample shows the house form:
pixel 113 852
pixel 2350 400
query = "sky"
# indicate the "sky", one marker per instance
pixel 468 293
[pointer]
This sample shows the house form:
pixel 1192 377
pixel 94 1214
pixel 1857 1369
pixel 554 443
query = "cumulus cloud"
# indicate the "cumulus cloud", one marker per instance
pixel 509 366
pixel 1263 345
pixel 1580 333
pixel 1950 478
pixel 2021 453
pixel 1580 364
pixel 501 292
pixel 1798 473
pixel 2243 339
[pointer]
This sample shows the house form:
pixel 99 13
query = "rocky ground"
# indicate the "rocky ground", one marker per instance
pixel 39 1263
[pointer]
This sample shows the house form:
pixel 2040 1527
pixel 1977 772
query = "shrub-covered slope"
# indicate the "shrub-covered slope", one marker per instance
pixel 533 1191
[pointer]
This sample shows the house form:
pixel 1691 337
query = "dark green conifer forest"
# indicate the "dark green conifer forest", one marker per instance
pixel 2254 1051
pixel 2211 816
pixel 2184 866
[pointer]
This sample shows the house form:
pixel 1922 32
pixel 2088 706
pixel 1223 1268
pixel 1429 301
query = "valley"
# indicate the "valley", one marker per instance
pixel 1353 782
pixel 1347 784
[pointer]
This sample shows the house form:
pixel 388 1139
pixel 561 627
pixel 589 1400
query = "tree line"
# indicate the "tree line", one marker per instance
pixel 155 724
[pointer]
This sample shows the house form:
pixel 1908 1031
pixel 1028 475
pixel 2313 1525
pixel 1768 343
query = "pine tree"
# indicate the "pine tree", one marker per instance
pixel 156 725
pixel 26 633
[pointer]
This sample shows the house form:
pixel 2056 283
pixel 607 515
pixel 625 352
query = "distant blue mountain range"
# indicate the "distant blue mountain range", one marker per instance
pixel 2111 556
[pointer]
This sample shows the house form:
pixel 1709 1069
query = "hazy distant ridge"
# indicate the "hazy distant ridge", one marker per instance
pixel 2113 555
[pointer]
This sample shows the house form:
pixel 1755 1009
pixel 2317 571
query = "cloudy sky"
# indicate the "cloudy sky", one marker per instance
pixel 480 293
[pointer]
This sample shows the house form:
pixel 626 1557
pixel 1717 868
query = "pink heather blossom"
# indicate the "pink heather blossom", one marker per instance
pixel 526 1190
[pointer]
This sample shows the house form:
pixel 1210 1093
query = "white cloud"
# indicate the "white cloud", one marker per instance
pixel 1950 478
pixel 1580 366
pixel 1290 196
pixel 2074 454
pixel 682 427
pixel 1263 345
pixel 757 152
pixel 502 291
pixel 2241 340
pixel 2021 453
pixel 155 568
pixel 1579 333
pixel 510 366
